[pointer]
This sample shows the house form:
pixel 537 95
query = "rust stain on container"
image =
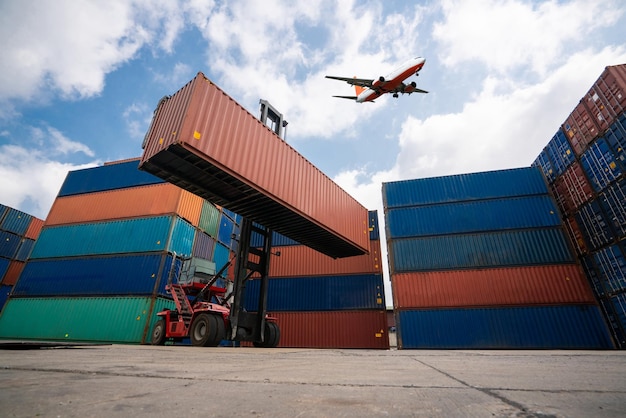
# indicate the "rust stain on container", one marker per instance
pixel 550 284
pixel 300 260
pixel 203 141
pixel 157 199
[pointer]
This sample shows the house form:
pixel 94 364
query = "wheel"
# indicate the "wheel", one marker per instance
pixel 158 333
pixel 220 330
pixel 203 330
pixel 271 336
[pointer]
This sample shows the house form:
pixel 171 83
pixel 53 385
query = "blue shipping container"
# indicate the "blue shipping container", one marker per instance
pixel 160 233
pixel 600 165
pixel 613 202
pixel 616 137
pixel 611 265
pixel 543 162
pixel 594 225
pixel 473 216
pixel 560 152
pixel 373 225
pixel 619 306
pixel 591 274
pixel 16 221
pixel 319 293
pixel 225 231
pixel 462 187
pixel 137 275
pixel 106 177
pixel 221 256
pixel 535 327
pixel 4 266
pixel 9 243
pixel 26 246
pixel 5 290
pixel 493 249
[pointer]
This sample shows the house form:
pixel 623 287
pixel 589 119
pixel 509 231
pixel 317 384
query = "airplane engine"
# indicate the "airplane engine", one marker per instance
pixel 381 79
pixel 413 84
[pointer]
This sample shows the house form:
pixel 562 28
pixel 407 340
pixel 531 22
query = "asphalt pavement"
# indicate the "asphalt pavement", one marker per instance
pixel 182 381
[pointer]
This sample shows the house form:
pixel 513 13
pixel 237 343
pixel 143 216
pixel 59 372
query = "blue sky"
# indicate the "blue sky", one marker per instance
pixel 79 80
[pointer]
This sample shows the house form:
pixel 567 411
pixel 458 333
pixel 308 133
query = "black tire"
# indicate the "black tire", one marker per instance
pixel 271 336
pixel 221 329
pixel 203 330
pixel 158 333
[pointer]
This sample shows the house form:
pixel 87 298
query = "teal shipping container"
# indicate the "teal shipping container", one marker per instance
pixel 88 319
pixel 138 235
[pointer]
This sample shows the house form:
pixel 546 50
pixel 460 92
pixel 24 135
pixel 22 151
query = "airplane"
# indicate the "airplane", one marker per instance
pixel 368 90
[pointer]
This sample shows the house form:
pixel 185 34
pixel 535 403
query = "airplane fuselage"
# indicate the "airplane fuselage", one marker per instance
pixel 391 81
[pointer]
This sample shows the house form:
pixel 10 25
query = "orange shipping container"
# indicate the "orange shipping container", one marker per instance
pixel 13 272
pixel 156 199
pixel 205 142
pixel 332 329
pixel 34 228
pixel 300 260
pixel 550 284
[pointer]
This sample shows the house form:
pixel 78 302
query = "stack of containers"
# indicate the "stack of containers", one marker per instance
pixel 586 173
pixel 321 302
pixel 18 232
pixel 100 265
pixel 482 261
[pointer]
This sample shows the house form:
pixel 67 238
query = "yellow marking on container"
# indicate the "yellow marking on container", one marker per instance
pixel 196 135
pixel 138 318
pixel 379 301
pixel 160 141
pixel 612 165
pixel 158 242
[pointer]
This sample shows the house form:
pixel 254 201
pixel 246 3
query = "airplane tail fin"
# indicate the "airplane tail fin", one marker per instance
pixel 358 89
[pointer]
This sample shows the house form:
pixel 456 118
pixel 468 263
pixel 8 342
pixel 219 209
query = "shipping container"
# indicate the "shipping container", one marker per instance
pixel 3 211
pixel 225 231
pixel 205 142
pixel 15 221
pixel 580 128
pixel 616 138
pixel 550 284
pixel 144 274
pixel 613 203
pixel 278 240
pixel 209 219
pixel 600 165
pixel 203 246
pixel 472 216
pixel 533 327
pixel 300 260
pixel 374 228
pixel 161 233
pixel 611 267
pixel 462 187
pixel 13 272
pixel 319 293
pixel 607 97
pixel 598 286
pixel 614 322
pixel 340 329
pixel 543 162
pixel 594 225
pixel 5 290
pixel 106 177
pixel 493 249
pixel 88 319
pixel 4 266
pixel 9 243
pixel 619 307
pixel 576 236
pixel 560 152
pixel 25 248
pixel 572 189
pixel 221 256
pixel 130 202
pixel 34 228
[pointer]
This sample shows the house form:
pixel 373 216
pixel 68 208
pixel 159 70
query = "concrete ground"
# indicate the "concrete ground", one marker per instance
pixel 179 381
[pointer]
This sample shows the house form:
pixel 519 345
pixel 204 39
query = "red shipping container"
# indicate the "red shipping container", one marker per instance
pixel 208 144
pixel 132 202
pixel 13 272
pixel 573 230
pixel 572 189
pixel 332 329
pixel 607 98
pixel 549 284
pixel 300 260
pixel 581 128
pixel 34 228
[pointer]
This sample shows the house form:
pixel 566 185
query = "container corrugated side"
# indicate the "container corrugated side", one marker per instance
pixel 552 284
pixel 107 177
pixel 600 165
pixel 493 249
pixel 203 246
pixel 580 128
pixel 205 142
pixel 543 162
pixel 221 255
pixel 611 266
pixel 320 293
pixel 472 216
pixel 13 272
pixel 576 236
pixel 560 152
pixel 9 243
pixel 578 327
pixel 131 202
pixel 616 138
pixel 572 189
pixel 463 187
pixel 89 319
pixel 613 202
pixel 225 231
pixel 34 228
pixel 161 233
pixel 209 219
pixel 594 225
pixel 144 274
pixel 340 329
pixel 607 97
pixel 25 248
pixel 4 265
pixel 15 221
pixel 5 290
pixel 300 260
pixel 618 302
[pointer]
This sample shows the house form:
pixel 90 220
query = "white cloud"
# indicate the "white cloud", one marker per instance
pixel 508 34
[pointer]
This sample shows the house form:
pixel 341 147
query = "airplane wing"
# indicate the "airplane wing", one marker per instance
pixel 363 82
pixel 346 97
pixel 408 89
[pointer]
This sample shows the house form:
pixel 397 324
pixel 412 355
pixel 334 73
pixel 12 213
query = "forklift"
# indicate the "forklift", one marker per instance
pixel 208 314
